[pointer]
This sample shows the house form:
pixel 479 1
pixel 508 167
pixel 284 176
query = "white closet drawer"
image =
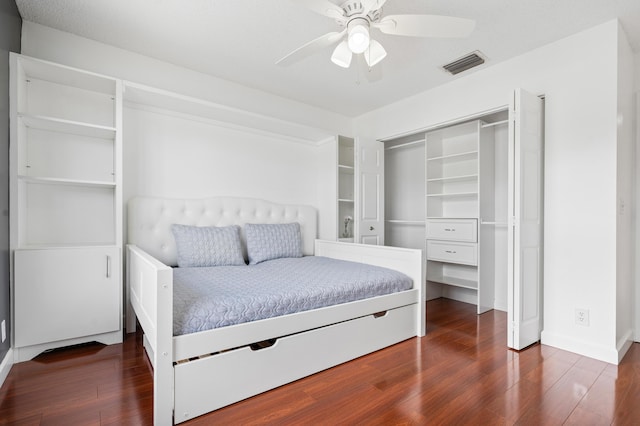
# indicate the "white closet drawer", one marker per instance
pixel 453 229
pixel 444 251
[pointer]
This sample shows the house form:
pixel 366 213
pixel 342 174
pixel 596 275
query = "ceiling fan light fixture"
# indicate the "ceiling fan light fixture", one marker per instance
pixel 374 54
pixel 358 37
pixel 342 55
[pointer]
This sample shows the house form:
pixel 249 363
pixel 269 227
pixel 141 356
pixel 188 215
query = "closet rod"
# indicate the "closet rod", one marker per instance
pixel 402 145
pixel 497 123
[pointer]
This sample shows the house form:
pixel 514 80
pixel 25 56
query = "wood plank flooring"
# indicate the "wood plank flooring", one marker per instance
pixel 460 373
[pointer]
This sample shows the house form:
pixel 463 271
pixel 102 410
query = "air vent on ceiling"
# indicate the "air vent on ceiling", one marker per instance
pixel 471 60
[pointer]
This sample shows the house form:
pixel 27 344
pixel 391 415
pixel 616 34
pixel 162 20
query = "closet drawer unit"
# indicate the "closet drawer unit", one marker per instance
pixel 453 229
pixel 444 251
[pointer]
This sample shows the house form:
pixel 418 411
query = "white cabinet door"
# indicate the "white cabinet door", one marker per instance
pixel 66 293
pixel 525 227
pixel 370 181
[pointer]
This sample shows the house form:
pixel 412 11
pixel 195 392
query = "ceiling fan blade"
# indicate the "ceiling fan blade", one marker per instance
pixel 369 5
pixel 425 26
pixel 323 7
pixel 310 48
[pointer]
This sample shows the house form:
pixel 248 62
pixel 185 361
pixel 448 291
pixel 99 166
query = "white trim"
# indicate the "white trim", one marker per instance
pixel 207 111
pixel 624 344
pixel 608 354
pixel 5 366
pixel 447 123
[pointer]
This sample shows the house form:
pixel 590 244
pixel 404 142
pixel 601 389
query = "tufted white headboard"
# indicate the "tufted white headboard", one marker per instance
pixel 150 220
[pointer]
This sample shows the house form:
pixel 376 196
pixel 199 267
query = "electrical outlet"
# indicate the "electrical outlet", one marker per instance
pixel 582 317
pixel 3 329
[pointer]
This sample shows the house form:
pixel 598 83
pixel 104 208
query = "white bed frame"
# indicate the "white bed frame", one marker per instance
pixel 188 380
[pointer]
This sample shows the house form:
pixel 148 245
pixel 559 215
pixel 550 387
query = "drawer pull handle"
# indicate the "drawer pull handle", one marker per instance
pixel 450 251
pixel 108 267
pixel 262 345
pixel 450 229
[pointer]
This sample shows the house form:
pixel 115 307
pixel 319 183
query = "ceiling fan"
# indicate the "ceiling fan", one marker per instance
pixel 358 17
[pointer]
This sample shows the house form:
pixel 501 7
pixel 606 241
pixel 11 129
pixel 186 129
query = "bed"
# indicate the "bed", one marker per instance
pixel 199 369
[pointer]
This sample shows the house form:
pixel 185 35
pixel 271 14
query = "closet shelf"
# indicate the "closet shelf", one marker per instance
pixel 345 200
pixel 71 182
pixel 461 156
pixel 454 194
pixel 454 178
pixel 453 281
pixel 54 124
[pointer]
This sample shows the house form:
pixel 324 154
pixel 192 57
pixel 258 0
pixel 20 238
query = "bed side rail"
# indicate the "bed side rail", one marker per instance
pixel 150 284
pixel 407 261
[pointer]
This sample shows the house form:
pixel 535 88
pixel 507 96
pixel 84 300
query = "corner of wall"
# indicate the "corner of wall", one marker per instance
pixel 5 366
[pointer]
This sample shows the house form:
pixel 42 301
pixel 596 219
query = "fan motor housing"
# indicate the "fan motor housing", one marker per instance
pixel 354 8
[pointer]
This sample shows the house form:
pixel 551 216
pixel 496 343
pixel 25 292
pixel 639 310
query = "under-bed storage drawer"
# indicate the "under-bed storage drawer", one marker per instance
pixel 445 251
pixel 452 230
pixel 212 382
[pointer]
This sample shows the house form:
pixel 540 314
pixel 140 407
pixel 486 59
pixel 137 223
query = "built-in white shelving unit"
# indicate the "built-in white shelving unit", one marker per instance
pixel 66 206
pixel 346 189
pixel 463 202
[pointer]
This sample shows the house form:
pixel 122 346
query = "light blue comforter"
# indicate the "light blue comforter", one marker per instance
pixel 213 297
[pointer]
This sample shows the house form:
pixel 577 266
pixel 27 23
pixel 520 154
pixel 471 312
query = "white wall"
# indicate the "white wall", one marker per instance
pixel 625 242
pixel 65 48
pixel 170 156
pixel 578 76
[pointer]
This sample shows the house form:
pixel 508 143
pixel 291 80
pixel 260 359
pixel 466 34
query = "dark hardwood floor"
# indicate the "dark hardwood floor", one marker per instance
pixel 460 373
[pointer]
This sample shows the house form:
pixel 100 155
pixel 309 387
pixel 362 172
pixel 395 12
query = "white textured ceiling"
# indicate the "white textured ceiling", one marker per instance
pixel 240 40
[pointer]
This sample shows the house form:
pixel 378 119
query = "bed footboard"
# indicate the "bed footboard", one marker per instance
pixel 407 261
pixel 150 284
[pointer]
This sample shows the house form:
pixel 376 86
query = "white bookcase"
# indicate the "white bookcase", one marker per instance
pixel 346 189
pixel 66 206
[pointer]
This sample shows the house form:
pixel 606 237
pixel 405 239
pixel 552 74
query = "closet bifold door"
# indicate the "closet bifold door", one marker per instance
pixel 525 199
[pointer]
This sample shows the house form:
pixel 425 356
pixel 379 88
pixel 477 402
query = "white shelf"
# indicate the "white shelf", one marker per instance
pixel 468 155
pixel 461 178
pixel 345 240
pixel 57 246
pixel 67 76
pixel 70 182
pixel 150 98
pixel 346 169
pixel 406 222
pixel 456 282
pixel 455 194
pixel 67 126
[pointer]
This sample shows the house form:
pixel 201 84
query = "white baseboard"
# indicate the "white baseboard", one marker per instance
pixel 580 347
pixel 5 366
pixel 624 344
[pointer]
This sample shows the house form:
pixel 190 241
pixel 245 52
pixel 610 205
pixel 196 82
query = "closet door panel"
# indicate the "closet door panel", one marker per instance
pixel 525 227
pixel 370 208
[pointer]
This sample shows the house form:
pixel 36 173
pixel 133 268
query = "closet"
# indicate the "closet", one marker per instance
pixel 446 194
pixel 469 193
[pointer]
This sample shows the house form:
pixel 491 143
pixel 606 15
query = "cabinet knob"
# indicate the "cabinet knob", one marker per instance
pixel 371 228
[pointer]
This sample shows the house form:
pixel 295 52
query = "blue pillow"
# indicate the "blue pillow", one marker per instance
pixel 273 241
pixel 207 245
